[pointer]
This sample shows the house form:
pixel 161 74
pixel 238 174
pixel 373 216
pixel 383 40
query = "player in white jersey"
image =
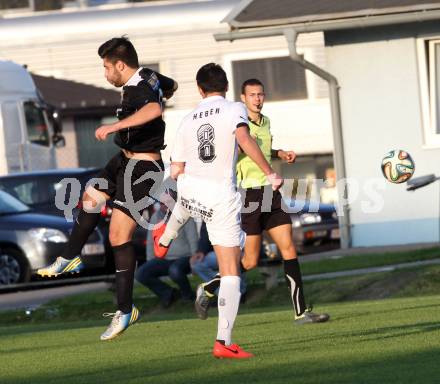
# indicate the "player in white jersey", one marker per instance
pixel 203 161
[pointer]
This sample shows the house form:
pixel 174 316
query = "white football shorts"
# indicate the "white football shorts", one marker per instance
pixel 218 205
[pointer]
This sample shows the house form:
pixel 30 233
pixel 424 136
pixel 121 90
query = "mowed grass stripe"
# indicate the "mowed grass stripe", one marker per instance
pixel 395 340
pixel 346 263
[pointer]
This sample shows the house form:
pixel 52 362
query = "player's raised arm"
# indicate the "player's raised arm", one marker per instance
pixel 168 85
pixel 251 148
pixel 179 153
pixel 168 94
pixel 147 113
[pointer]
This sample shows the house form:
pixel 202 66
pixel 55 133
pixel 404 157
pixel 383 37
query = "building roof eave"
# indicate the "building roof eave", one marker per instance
pixel 238 33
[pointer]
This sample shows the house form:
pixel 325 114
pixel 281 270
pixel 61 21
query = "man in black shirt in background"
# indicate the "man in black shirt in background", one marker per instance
pixel 128 179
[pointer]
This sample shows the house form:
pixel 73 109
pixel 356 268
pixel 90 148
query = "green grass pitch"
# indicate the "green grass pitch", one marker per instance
pixel 387 341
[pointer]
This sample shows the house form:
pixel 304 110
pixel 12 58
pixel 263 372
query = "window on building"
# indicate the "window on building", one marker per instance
pixel 429 64
pixel 47 5
pixel 36 124
pixel 283 79
pixel 91 152
pixel 31 5
pixel 434 83
pixel 153 66
pixel 305 176
pixel 14 4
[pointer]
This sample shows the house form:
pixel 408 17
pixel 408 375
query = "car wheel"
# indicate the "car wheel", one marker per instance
pixel 13 267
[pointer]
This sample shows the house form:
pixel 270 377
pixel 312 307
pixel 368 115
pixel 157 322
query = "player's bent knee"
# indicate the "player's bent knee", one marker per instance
pixel 92 203
pixel 174 273
pixel 196 268
pixel 117 238
pixel 139 276
pixel 249 264
pixel 143 275
pixel 288 253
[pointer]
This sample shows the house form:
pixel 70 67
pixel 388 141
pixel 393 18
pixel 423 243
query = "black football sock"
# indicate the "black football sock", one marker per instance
pixel 83 226
pixel 212 285
pixel 295 284
pixel 125 263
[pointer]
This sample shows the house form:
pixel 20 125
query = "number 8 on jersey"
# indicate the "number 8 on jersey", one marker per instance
pixel 205 135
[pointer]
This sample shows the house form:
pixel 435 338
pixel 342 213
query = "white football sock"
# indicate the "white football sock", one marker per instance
pixel 228 302
pixel 174 224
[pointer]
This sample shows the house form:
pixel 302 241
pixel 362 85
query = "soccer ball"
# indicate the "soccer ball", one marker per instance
pixel 397 166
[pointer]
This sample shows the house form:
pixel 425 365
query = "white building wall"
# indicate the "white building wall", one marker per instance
pixel 3 162
pixel 381 110
pixel 180 43
pixel 67 156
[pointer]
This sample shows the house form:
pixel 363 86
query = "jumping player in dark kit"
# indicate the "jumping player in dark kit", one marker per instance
pixel 140 135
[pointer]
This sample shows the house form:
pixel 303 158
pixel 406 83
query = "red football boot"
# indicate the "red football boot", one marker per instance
pixel 233 351
pixel 159 250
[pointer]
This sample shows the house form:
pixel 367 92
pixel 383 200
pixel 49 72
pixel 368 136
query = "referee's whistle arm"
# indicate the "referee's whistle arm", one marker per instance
pixel 276 180
pixel 251 148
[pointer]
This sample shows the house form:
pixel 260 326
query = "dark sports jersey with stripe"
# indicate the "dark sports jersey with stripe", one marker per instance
pixel 148 137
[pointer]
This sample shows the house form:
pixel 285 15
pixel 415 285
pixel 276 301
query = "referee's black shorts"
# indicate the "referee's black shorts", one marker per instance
pixel 131 183
pixel 263 209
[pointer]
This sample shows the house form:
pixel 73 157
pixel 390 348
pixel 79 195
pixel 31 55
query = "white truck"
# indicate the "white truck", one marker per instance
pixel 28 133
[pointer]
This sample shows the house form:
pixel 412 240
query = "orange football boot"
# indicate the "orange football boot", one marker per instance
pixel 159 250
pixel 233 351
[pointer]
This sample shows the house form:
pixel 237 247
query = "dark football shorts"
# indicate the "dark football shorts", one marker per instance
pixel 262 210
pixel 133 185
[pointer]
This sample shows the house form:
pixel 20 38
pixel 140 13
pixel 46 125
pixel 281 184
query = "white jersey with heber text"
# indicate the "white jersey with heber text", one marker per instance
pixel 205 140
pixel 206 143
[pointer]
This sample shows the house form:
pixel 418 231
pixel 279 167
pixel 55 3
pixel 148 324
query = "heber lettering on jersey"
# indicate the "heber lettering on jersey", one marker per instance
pixel 207 113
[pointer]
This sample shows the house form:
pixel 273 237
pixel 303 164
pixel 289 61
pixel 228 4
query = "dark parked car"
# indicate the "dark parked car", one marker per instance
pixel 29 241
pixel 38 190
pixel 313 224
